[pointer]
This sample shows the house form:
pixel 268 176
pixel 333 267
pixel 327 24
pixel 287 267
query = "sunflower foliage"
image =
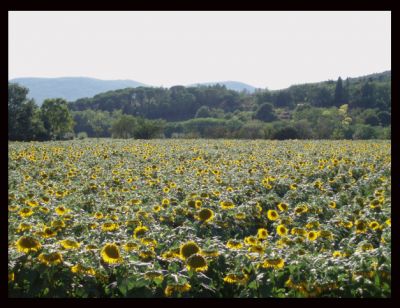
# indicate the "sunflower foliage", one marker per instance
pixel 199 218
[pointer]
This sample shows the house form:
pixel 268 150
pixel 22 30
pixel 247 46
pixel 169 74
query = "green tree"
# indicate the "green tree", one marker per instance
pixel 56 118
pixel 286 132
pixel 123 127
pixel 203 112
pixel 385 118
pixel 147 129
pixel 364 132
pixel 284 99
pixel 21 113
pixel 265 113
pixel 339 98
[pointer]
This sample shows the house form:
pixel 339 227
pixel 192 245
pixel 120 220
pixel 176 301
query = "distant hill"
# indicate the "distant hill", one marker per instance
pixel 231 85
pixel 71 88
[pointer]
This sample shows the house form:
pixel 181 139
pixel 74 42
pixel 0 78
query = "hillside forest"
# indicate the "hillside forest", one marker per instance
pixel 354 108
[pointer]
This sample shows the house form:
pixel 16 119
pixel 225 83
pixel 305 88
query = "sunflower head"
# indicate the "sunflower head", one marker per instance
pixel 197 263
pixel 23 227
pixel 25 212
pixel 283 206
pixel 282 230
pixel 236 278
pixel 374 225
pixel 234 244
pixel 188 249
pixel 206 215
pixel 312 235
pixel 70 244
pixel 110 254
pixel 262 234
pixel 272 215
pixel 361 226
pixel 275 263
pixel 52 258
pixel 28 244
pixel 109 226
pixel 225 205
pixel 140 231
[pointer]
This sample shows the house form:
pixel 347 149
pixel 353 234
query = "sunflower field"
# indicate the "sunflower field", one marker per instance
pixel 199 218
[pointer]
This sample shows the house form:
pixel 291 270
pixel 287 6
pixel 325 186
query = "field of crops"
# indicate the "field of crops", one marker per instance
pixel 199 218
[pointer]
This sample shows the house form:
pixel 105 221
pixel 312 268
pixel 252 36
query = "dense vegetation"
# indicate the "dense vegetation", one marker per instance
pixel 356 108
pixel 199 218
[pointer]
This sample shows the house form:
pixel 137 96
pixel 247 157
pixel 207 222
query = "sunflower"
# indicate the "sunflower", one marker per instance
pixel 210 252
pixel 156 208
pixel 25 212
pixel 98 215
pixel 49 232
pixel 256 249
pixel 28 244
pixel 337 254
pixel 250 240
pixel 275 263
pixel 171 254
pixel 165 202
pixel 147 255
pixel 389 222
pixel 198 204
pixel 361 226
pixel 332 204
pixel 283 206
pixel 216 193
pixel 11 277
pixel 262 234
pixel 272 215
pixel 312 235
pixel 188 249
pixel 58 224
pixel 44 209
pixel 197 262
pixel 298 231
pixel 234 244
pixel 13 208
pixel 69 244
pixel 366 247
pixel 240 216
pixel 300 209
pixel 140 231
pixel 110 254
pixel 61 210
pixel 225 205
pixel 346 224
pixel 170 289
pixel 148 241
pixel 236 278
pixel 206 215
pixel 374 225
pixel 325 234
pixel 77 268
pixel 32 203
pixel 293 186
pixel 52 258
pixel 23 227
pixel 312 224
pixel 153 275
pixel 281 230
pixel 136 201
pixel 109 226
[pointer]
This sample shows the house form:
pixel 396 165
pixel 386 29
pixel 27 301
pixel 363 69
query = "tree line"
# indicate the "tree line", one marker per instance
pixel 358 108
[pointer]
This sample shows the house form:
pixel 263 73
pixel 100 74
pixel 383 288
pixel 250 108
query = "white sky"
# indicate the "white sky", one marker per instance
pixel 264 49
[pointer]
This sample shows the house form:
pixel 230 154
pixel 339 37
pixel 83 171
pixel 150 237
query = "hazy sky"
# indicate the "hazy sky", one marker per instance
pixel 264 49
